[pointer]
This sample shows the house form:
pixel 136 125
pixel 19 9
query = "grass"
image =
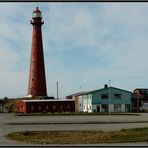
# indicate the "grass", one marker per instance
pixel 81 137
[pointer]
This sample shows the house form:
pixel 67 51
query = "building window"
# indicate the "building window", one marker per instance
pixel 84 106
pixel 68 106
pixel 47 107
pixel 145 105
pixel 32 107
pixel 104 108
pixel 80 104
pixel 117 96
pixel 54 107
pixel 104 96
pixel 22 107
pixel 90 107
pixel 61 107
pixel 39 107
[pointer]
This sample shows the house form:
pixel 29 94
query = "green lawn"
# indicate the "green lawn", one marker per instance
pixel 81 137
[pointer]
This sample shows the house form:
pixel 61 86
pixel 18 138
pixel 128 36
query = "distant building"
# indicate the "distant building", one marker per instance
pixel 103 100
pixel 1 106
pixel 140 99
pixel 32 106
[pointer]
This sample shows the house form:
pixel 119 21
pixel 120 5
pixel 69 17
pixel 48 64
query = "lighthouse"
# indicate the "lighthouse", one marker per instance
pixel 37 77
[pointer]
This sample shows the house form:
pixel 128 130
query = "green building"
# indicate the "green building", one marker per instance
pixel 103 100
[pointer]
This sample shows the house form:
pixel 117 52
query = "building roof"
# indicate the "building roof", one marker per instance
pixel 79 93
pixel 142 90
pixel 113 88
pixel 92 91
pixel 45 100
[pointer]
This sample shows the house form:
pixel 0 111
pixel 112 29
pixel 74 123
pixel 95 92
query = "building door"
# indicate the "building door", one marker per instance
pixel 117 107
pixel 98 108
pixel 127 107
pixel 104 108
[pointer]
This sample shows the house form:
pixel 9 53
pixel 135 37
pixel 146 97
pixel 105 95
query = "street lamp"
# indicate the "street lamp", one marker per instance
pixel 80 89
pixel 109 102
pixel 57 90
pixel 137 101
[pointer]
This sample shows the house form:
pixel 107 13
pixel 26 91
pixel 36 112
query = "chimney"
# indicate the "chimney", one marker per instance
pixel 105 86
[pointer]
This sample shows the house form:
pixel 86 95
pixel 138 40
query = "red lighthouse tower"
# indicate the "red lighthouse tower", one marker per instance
pixel 37 78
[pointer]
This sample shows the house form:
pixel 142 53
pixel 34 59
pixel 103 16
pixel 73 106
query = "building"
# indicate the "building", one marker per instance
pixel 103 100
pixel 77 97
pixel 37 79
pixel 140 99
pixel 1 105
pixel 37 99
pixel 33 106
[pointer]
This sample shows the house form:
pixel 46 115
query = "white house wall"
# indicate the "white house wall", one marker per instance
pixel 85 103
pixel 111 107
pixel 80 103
pixel 122 107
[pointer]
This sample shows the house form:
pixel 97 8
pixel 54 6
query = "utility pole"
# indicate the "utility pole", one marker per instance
pixel 137 101
pixel 80 89
pixel 57 90
pixel 109 102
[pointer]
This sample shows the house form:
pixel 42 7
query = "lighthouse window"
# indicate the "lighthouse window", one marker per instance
pixel 36 15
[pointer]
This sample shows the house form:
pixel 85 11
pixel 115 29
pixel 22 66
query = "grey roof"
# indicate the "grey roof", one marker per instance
pixel 45 100
pixel 142 89
pixel 79 93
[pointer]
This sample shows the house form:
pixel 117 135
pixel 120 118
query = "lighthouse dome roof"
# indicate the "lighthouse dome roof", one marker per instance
pixel 37 10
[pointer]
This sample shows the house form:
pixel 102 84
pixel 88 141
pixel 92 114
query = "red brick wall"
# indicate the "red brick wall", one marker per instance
pixel 21 107
pixel 49 106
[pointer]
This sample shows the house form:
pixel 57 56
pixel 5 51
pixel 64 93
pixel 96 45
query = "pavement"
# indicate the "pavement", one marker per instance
pixel 11 123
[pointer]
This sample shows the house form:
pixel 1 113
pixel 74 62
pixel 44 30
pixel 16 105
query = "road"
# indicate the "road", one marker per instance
pixel 11 123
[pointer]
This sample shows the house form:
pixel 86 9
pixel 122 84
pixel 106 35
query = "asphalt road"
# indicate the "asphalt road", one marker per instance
pixel 10 123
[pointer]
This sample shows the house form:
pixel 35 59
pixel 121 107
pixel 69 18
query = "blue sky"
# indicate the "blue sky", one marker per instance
pixel 85 45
